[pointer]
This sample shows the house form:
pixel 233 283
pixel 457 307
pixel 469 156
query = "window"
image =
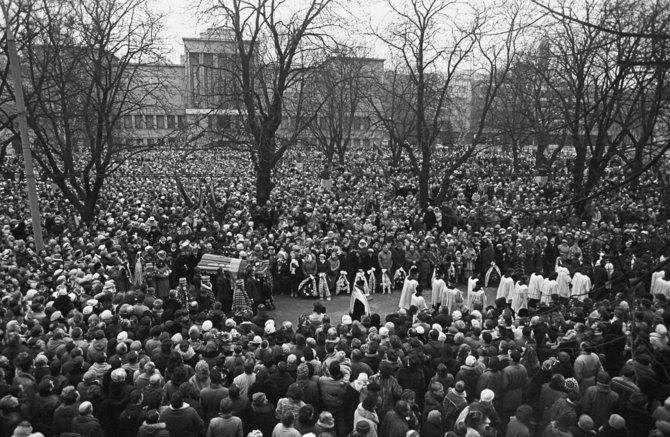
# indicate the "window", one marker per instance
pixel 171 121
pixel 222 123
pixel 366 143
pixel 181 121
pixel 139 142
pixel 151 142
pixel 160 122
pixel 128 121
pixel 149 121
pixel 210 122
pixel 139 122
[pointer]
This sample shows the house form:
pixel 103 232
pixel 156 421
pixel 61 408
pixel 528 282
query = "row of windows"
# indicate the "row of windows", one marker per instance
pixel 358 123
pixel 141 142
pixel 154 121
pixel 215 122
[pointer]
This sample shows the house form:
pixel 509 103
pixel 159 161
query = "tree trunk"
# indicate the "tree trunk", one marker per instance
pixel 578 179
pixel 443 192
pixel 396 153
pixel 541 139
pixel 515 156
pixel 3 153
pixel 264 185
pixel 266 162
pixel 87 212
pixel 424 186
pixel 329 153
pixel 635 169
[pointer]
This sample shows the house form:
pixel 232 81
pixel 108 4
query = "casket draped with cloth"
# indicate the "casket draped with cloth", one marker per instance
pixel 211 263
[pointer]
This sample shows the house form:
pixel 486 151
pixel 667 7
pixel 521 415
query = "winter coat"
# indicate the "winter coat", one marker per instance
pixel 430 403
pixel 599 402
pixel 393 425
pixel 225 426
pixel 361 414
pixel 514 381
pixel 332 392
pixel 183 422
pixel 389 394
pixel 130 420
pixel 43 411
pixel 210 399
pixel 153 430
pixel 87 426
pixel 263 418
pixel 469 376
pixel 63 415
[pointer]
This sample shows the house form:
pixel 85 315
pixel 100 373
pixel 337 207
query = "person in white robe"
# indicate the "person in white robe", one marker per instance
pixel 418 300
pixel 506 287
pixel 660 273
pixel 563 280
pixel 519 295
pixel 653 288
pixel 472 283
pixel 438 285
pixel 408 289
pixel 663 285
pixel 581 286
pixel 549 288
pixel 476 297
pixel 535 286
pixel 451 298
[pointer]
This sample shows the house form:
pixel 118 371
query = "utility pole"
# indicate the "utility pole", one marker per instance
pixel 15 65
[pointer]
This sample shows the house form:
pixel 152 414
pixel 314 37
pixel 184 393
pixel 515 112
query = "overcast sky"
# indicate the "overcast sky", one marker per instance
pixel 181 20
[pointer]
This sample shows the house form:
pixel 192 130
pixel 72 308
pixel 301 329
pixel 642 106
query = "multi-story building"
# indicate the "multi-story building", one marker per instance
pixel 200 102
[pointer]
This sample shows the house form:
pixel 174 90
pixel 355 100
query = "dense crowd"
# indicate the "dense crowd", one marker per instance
pixel 114 330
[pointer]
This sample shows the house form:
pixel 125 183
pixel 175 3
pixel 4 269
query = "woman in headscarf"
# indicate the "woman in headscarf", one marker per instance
pixel 333 271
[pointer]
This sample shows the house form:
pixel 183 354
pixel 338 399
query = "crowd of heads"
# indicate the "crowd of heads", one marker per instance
pixel 113 329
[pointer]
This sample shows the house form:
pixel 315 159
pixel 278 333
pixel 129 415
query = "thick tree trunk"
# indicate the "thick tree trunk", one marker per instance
pixel 341 155
pixel 540 159
pixel 87 212
pixel 329 155
pixel 264 185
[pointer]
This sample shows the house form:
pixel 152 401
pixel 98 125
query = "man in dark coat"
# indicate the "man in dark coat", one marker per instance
pixel 181 419
pixel 433 399
pixel 394 423
pixel 85 424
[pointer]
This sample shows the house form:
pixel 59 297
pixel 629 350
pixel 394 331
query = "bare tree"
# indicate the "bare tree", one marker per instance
pixel 430 48
pixel 342 83
pixel 391 99
pixel 610 101
pixel 276 50
pixel 527 110
pixel 85 64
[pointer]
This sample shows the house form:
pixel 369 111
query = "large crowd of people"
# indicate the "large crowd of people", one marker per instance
pixel 117 329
